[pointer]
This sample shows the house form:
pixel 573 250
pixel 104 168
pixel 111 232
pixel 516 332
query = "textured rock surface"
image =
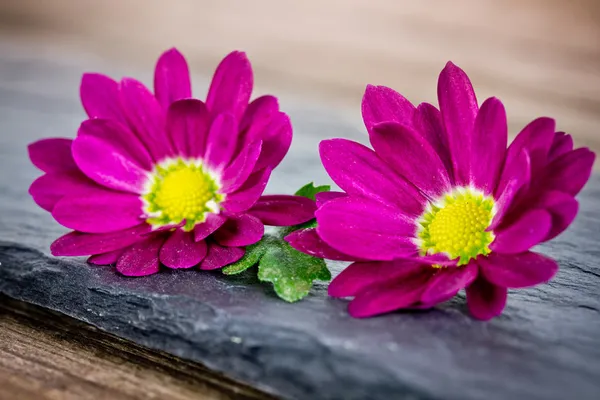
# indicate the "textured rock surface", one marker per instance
pixel 545 346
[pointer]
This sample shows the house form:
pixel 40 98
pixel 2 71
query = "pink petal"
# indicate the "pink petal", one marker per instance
pixel 240 230
pixel 247 195
pixel 83 244
pixel 108 258
pixel 231 86
pixel 569 172
pixel 488 145
pixel 365 229
pixel 48 189
pixel 146 117
pixel 529 230
pixel 427 120
pixel 120 137
pixel 405 150
pixel 257 118
pixel 359 171
pixel 447 281
pixel 397 294
pixel 219 257
pixel 517 270
pixel 485 300
pixel 458 105
pixel 100 97
pixel 182 251
pixel 382 104
pixel 171 78
pixel 99 211
pixel 240 169
pixel 283 210
pixel 222 141
pixel 206 228
pixel 359 276
pixel 308 241
pixel 323 197
pixel 563 209
pixel 141 259
pixel 108 165
pixel 188 123
pixel 517 178
pixel 277 138
pixel 52 155
pixel 561 144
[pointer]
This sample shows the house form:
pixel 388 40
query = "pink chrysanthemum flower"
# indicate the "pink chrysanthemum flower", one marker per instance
pixel 441 204
pixel 162 178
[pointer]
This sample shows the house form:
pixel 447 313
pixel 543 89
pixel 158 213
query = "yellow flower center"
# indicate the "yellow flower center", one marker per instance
pixel 456 225
pixel 181 190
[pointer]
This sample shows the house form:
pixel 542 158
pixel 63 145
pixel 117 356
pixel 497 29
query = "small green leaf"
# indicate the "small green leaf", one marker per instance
pixel 290 271
pixel 253 254
pixel 310 190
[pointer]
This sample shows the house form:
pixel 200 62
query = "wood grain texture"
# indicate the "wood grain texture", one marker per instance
pixel 44 355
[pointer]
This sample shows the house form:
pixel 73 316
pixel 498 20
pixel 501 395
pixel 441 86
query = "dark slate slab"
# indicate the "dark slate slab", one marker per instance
pixel 545 346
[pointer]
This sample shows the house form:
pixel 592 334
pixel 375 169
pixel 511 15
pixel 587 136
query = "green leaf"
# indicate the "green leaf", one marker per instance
pixel 253 254
pixel 310 190
pixel 290 271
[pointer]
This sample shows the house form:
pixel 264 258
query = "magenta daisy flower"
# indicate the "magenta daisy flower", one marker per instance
pixel 441 204
pixel 162 178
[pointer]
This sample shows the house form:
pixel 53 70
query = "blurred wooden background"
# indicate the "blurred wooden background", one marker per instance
pixel 541 57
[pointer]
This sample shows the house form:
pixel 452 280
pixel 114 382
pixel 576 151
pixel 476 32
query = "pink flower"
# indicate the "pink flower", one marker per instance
pixel 166 179
pixel 441 204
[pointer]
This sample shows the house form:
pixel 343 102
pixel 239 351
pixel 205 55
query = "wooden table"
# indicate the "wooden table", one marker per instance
pixel 539 57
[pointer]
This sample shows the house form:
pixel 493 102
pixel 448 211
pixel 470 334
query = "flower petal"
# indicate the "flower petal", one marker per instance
pixel 359 276
pixel 240 169
pixel 206 228
pixel 401 293
pixel 257 117
pixel 188 124
pixel 365 229
pixel 120 137
pixel 323 197
pixel 52 155
pixel 107 258
pixel 239 230
pixel 277 138
pixel 48 189
pixel 308 241
pixel 516 180
pixel 488 145
pixel 171 78
pixel 231 86
pixel 283 210
pixel 146 117
pixel 563 209
pixel 569 172
pixel 222 141
pixel 108 165
pixel 141 259
pixel 382 104
pixel 182 251
pixel 249 193
pixel 218 257
pixel 485 300
pixel 99 211
pixel 428 122
pixel 529 230
pixel 405 150
pixel 448 281
pixel 517 270
pixel 359 171
pixel 458 105
pixel 100 97
pixel 84 244
pixel 561 144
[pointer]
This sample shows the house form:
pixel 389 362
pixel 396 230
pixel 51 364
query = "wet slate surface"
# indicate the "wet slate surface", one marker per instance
pixel 545 346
